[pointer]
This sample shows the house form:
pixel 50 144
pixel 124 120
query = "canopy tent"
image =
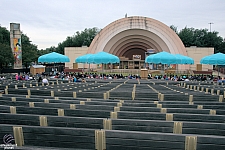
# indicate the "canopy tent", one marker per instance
pixel 53 58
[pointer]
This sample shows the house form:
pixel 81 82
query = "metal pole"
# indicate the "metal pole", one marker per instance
pixel 218 71
pixel 210 26
pixel 102 72
pixel 144 62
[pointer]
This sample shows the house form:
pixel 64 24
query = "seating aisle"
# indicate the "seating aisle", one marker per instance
pixel 113 114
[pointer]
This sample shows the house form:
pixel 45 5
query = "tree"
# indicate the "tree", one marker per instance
pixel 201 38
pixel 174 28
pixel 221 48
pixel 6 55
pixel 29 51
pixel 41 52
pixel 213 40
pixel 187 36
pixel 4 36
pixel 79 39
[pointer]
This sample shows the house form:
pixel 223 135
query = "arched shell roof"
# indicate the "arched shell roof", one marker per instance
pixel 136 32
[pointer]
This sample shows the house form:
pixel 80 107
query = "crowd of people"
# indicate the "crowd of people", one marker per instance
pixel 69 76
pixel 81 77
pixel 184 77
pixel 25 76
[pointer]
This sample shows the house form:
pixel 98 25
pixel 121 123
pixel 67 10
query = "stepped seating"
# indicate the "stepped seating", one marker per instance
pixel 202 128
pixel 140 121
pixel 54 136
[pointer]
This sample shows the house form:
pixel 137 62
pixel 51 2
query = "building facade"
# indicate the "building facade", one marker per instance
pixel 132 39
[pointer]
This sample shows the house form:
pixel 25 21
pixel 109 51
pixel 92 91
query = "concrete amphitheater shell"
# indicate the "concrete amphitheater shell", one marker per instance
pixel 132 35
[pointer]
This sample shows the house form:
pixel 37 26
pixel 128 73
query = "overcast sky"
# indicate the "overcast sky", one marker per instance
pixel 48 22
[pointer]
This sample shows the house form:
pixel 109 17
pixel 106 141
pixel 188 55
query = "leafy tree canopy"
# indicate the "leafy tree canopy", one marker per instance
pixel 79 39
pixel 4 36
pixel 29 51
pixel 200 38
pixel 6 55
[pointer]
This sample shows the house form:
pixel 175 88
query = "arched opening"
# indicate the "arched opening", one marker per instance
pixel 130 39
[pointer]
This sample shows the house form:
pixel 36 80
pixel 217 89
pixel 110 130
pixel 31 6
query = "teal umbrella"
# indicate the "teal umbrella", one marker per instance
pixel 103 58
pixel 162 58
pixel 79 59
pixel 53 58
pixel 185 59
pixel 215 59
pixel 83 58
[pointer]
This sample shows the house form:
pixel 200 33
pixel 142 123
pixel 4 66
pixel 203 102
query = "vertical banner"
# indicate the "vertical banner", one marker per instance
pixel 17 52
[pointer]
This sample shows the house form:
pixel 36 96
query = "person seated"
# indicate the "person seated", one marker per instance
pixel 74 79
pixel 19 77
pixel 40 79
pixel 186 79
pixel 2 78
pixel 31 77
pixel 70 78
pixel 83 80
pixel 45 80
pixel 27 77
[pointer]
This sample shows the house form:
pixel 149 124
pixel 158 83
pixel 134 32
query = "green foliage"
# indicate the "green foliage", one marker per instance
pixel 221 48
pixel 42 52
pixel 186 35
pixel 200 38
pixel 79 39
pixel 4 36
pixel 174 28
pixel 6 55
pixel 29 51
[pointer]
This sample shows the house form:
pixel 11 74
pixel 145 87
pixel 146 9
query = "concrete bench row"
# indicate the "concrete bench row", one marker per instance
pixel 163 115
pixel 108 139
pixel 198 128
pixel 144 106
pixel 92 105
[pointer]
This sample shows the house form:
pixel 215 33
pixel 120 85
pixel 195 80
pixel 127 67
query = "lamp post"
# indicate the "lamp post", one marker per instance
pixel 210 24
